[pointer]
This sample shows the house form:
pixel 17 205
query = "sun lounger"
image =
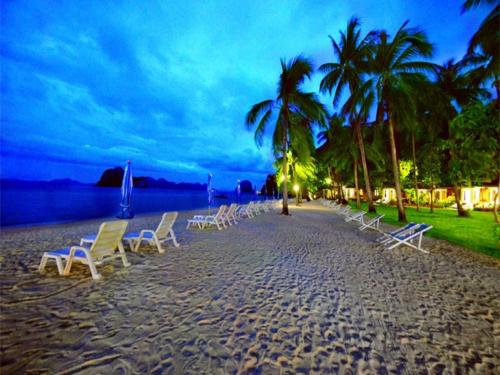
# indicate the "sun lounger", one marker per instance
pixel 373 223
pixel 408 237
pixel 387 236
pixel 229 216
pixel 203 221
pixel 217 219
pixel 103 249
pixel 163 233
pixel 354 216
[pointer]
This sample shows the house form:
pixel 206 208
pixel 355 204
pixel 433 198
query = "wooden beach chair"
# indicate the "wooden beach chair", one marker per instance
pixel 163 233
pixel 373 223
pixel 246 210
pixel 408 237
pixel 103 249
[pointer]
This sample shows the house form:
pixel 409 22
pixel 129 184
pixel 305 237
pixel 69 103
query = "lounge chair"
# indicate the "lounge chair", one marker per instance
pixel 408 236
pixel 203 221
pixel 355 216
pixel 387 236
pixel 246 210
pixel 373 223
pixel 229 216
pixel 103 249
pixel 217 220
pixel 163 233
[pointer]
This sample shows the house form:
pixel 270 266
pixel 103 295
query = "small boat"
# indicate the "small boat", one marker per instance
pixel 221 196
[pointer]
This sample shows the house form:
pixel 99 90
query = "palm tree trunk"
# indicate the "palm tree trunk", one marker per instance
pixel 432 199
pixel 460 209
pixel 356 184
pixel 361 146
pixel 415 177
pixel 284 210
pixel 395 169
pixel 496 201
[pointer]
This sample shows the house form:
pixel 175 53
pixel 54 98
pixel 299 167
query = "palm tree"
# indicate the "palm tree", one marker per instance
pixel 458 86
pixel 339 150
pixel 486 42
pixel 290 100
pixel 396 74
pixel 352 55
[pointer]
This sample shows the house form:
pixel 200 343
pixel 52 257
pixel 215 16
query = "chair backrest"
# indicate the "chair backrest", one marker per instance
pixel 166 223
pixel 231 209
pixel 221 211
pixel 412 231
pixel 109 236
pixel 404 229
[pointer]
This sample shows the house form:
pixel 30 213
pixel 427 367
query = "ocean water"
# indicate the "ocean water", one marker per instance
pixel 29 206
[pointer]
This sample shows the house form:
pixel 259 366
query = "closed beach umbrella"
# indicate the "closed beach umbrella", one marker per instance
pixel 238 191
pixel 127 185
pixel 209 191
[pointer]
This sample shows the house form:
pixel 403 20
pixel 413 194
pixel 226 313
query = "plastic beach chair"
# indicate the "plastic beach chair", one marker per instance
pixel 103 249
pixel 373 223
pixel 229 216
pixel 355 216
pixel 414 233
pixel 203 221
pixel 387 236
pixel 163 233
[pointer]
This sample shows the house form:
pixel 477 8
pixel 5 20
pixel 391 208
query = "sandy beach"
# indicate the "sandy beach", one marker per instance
pixel 302 294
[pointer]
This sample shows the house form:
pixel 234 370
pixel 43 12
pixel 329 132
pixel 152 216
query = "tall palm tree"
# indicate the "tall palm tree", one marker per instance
pixel 396 74
pixel 457 86
pixel 486 42
pixel 352 56
pixel 290 100
pixel 339 150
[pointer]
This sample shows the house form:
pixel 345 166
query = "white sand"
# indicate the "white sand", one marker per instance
pixel 274 295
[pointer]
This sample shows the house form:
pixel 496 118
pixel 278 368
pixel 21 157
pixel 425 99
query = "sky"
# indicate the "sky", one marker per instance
pixel 86 86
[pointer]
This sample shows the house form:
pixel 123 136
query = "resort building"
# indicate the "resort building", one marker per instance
pixel 471 197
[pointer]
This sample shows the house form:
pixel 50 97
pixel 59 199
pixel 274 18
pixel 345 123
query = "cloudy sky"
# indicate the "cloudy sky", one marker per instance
pixel 88 85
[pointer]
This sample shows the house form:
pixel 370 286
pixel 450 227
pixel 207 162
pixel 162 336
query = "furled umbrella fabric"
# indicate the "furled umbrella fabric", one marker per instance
pixel 127 185
pixel 210 192
pixel 238 192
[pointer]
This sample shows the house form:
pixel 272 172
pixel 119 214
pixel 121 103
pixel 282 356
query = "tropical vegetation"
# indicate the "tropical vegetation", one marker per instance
pixel 399 119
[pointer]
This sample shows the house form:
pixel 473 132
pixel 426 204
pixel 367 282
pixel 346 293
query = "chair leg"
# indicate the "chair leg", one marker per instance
pixel 60 267
pixel 138 244
pixel 43 263
pixel 123 256
pixel 158 244
pixel 93 270
pixel 174 239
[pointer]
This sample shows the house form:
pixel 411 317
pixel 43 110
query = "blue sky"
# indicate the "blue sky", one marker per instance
pixel 88 85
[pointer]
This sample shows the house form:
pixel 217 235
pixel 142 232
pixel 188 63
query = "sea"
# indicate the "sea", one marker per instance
pixel 27 206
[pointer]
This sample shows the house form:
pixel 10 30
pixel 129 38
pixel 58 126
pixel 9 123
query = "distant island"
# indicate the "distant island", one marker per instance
pixel 113 177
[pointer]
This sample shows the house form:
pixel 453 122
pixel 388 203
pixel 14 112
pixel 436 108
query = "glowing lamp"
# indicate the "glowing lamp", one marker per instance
pixel 296 188
pixel 328 180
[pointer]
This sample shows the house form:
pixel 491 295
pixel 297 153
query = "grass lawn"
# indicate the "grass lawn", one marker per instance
pixel 478 232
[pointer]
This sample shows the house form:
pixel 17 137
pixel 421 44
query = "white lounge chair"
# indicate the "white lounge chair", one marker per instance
pixel 407 237
pixel 217 220
pixel 203 221
pixel 246 210
pixel 103 249
pixel 229 216
pixel 387 236
pixel 373 223
pixel 163 233
pixel 355 216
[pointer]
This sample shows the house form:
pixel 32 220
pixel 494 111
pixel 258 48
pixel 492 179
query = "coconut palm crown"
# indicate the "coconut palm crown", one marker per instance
pixel 290 102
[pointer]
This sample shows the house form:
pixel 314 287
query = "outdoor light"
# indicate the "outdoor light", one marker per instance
pixel 296 188
pixel 328 181
pixel 282 178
